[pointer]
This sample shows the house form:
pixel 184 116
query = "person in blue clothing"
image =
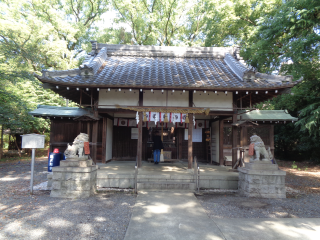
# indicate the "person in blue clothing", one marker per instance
pixel 157 146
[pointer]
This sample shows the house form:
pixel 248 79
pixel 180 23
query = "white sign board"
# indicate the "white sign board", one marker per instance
pixel 196 135
pixel 32 141
pixel 134 133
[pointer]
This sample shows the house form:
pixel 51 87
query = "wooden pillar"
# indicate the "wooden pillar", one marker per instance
pixel 79 127
pixel 104 139
pixel 94 140
pixel 51 135
pixel 234 140
pixel 221 157
pixel 180 139
pixel 139 150
pixel 272 139
pixel 190 147
pixel 190 150
pixel 88 129
pixel 139 145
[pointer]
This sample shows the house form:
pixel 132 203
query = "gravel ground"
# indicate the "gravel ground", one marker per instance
pixel 303 197
pixel 231 205
pixel 23 216
pixel 107 214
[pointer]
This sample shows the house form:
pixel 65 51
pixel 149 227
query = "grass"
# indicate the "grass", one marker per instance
pixel 24 158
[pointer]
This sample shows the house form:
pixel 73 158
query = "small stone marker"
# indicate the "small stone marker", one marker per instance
pixel 32 141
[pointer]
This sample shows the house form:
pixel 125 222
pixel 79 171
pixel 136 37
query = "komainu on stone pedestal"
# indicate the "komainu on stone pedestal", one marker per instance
pixel 76 150
pixel 76 177
pixel 261 178
pixel 260 149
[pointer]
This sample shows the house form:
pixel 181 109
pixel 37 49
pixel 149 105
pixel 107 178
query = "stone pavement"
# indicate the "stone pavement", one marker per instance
pixel 178 215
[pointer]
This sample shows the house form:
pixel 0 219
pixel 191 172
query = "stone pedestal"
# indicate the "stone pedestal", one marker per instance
pixel 262 179
pixel 49 177
pixel 74 178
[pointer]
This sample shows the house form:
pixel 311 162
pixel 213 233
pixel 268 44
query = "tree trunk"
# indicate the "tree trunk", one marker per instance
pixel 1 143
pixel 19 152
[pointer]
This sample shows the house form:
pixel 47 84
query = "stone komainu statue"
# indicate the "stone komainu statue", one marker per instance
pixel 260 149
pixel 76 150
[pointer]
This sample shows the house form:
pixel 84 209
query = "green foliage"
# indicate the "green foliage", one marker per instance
pixel 288 43
pixel 289 39
pixel 167 22
pixel 294 165
pixel 231 22
pixel 37 35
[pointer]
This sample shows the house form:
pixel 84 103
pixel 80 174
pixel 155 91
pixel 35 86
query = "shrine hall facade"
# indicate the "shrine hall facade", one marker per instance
pixel 190 94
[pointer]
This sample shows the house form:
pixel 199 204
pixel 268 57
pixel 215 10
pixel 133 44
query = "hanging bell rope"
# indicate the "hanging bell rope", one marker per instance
pixel 187 119
pixel 145 117
pixel 166 118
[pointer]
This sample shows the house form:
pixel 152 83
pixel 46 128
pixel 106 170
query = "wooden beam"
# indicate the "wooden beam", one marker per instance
pixel 104 139
pixel 190 149
pixel 221 157
pixel 106 115
pixel 234 140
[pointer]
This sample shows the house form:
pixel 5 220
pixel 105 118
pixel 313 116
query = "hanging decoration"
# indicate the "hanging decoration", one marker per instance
pixel 133 123
pixel 167 109
pixel 137 117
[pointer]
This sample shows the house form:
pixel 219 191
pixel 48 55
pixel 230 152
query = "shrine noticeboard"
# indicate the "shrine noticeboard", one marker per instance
pixel 86 148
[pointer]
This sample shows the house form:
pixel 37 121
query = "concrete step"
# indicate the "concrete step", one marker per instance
pixel 164 185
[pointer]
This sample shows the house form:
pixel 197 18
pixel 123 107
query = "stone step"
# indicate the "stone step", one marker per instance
pixel 163 185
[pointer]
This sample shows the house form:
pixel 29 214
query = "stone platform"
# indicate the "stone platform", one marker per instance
pixel 120 174
pixel 74 178
pixel 262 179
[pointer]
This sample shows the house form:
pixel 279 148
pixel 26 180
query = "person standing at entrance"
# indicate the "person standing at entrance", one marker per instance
pixel 157 146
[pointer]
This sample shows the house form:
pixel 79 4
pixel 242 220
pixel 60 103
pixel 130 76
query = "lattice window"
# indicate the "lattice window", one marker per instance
pixel 263 132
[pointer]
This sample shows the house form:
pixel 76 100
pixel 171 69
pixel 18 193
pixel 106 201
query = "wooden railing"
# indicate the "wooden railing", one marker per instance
pixel 136 176
pixel 196 172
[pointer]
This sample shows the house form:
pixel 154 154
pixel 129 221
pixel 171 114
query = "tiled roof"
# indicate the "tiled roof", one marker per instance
pixel 267 115
pixel 56 111
pixel 164 67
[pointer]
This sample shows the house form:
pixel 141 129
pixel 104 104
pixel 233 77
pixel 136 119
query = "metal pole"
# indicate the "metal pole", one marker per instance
pixel 32 168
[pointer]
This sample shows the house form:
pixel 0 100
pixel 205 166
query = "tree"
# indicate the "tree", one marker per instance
pixel 230 22
pixel 36 35
pixel 162 23
pixel 288 43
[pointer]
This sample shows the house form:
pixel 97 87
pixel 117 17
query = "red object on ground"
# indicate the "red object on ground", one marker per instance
pixel 56 150
pixel 251 149
pixel 86 148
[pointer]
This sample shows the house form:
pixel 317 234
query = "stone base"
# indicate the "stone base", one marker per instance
pixel 74 179
pixel 262 179
pixel 49 177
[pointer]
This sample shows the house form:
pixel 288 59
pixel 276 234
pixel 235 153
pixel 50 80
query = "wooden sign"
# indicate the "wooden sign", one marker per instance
pixel 86 148
pixel 167 154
